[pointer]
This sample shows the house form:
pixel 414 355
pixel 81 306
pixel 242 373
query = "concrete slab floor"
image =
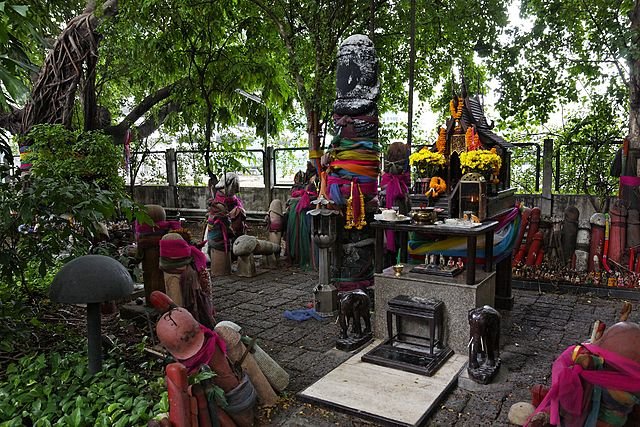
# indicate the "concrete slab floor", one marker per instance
pixel 533 334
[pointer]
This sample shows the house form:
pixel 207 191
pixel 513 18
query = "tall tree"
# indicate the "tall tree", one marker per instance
pixel 310 32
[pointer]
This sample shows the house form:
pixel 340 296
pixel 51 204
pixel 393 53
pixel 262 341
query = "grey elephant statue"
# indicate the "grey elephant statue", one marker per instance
pixel 484 344
pixel 353 306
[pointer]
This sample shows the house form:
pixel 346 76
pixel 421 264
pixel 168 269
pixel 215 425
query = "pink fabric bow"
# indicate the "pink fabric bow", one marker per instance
pixel 180 248
pixel 211 341
pixel 567 393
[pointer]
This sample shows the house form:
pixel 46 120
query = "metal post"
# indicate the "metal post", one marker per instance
pixel 172 177
pixel 267 171
pixel 412 66
pixel 94 336
pixel 547 175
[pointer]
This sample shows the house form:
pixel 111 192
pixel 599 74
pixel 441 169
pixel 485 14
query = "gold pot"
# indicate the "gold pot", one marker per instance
pixel 424 216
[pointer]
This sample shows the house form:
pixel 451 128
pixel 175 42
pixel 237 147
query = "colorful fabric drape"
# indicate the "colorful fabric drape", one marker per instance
pixel 157 228
pixel 395 187
pixel 304 201
pixel 179 248
pixel 218 233
pixel 568 379
pixel 298 235
pixel 503 241
pixel 366 168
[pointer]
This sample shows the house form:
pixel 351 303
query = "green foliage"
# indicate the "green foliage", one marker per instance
pixel 52 214
pixel 61 154
pixel 587 145
pixel 567 48
pixel 56 389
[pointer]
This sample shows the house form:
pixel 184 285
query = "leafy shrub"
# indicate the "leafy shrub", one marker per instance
pixel 55 389
pixel 52 214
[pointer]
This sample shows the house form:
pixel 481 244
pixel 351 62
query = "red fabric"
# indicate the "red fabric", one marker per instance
pixel 212 341
pixel 229 202
pixel 157 227
pixel 368 188
pixel 350 286
pixel 180 248
pixel 305 198
pixel 630 181
pixel 566 383
pixel 396 187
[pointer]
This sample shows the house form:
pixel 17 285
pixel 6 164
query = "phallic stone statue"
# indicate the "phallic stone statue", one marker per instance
pixel 484 344
pixel 245 247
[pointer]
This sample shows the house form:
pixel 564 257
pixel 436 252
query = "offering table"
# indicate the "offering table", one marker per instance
pixel 471 233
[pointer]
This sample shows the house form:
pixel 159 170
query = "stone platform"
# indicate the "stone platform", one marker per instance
pixel 457 296
pixel 383 394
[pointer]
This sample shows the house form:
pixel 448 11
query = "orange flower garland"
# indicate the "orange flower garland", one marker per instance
pixel 441 143
pixel 472 139
pixel 437 186
pixel 456 113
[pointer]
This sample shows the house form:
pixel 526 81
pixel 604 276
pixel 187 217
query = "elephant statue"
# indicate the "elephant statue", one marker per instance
pixel 484 344
pixel 353 306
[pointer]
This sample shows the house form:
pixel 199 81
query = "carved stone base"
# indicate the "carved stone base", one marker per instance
pixel 485 373
pixel 353 343
pixel 271 261
pixel 246 266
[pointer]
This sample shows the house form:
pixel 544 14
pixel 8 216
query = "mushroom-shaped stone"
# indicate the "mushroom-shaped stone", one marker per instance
pixel 91 280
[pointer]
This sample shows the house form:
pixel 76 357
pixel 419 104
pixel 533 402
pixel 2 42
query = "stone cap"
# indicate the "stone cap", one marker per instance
pixel 91 279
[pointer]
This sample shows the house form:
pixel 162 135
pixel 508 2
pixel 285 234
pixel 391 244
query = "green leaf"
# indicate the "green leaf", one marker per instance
pixel 21 9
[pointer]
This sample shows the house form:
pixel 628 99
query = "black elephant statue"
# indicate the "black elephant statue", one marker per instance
pixel 353 306
pixel 484 344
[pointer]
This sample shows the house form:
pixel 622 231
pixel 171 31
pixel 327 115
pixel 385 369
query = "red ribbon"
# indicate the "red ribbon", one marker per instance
pixel 180 248
pixel 212 341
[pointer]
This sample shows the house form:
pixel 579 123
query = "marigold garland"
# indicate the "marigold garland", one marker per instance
pixel 441 143
pixel 437 186
pixel 456 113
pixel 472 139
pixel 352 222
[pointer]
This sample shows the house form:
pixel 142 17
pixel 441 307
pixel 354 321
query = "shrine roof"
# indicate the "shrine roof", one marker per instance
pixel 473 113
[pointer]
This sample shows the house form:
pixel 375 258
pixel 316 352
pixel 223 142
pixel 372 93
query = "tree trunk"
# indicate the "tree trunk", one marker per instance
pixel 633 138
pixel 313 131
pixel 634 83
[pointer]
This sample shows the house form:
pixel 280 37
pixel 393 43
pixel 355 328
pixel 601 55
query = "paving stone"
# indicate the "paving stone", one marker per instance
pixel 533 334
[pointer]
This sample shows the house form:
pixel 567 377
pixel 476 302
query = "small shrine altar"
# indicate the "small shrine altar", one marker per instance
pixel 467 170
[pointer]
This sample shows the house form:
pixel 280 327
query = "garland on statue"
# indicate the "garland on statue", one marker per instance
pixel 355 210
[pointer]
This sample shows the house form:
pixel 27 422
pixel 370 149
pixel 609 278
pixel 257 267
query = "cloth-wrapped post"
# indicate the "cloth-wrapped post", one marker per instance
pixel 618 234
pixel 219 239
pixel 148 238
pixel 275 225
pixel 238 353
